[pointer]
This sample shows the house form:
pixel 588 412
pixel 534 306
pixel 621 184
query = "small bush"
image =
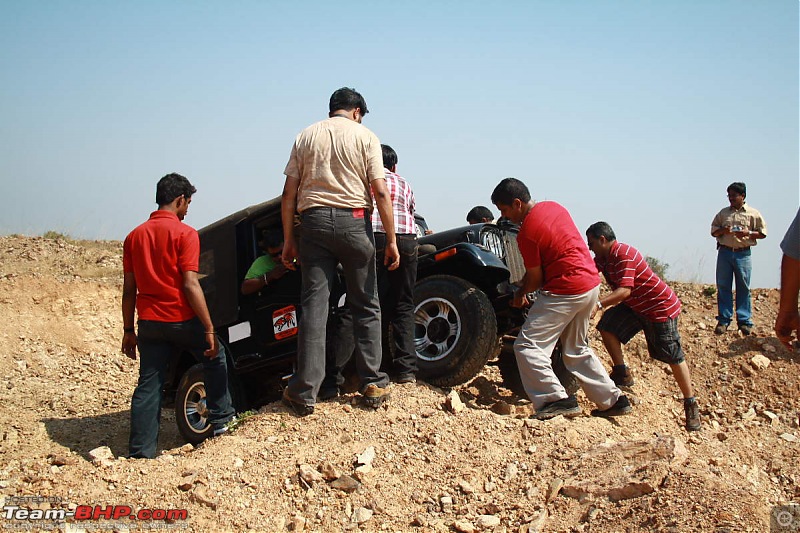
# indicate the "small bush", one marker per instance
pixel 658 266
pixel 709 290
pixel 55 235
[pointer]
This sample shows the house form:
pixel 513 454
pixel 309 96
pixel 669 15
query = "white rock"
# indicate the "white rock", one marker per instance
pixel 465 486
pixel 759 362
pixel 487 521
pixel 362 514
pixel 446 503
pixel 464 526
pixel 788 437
pixel 363 469
pixel 366 457
pixel 309 474
pixel 102 456
pixel 453 402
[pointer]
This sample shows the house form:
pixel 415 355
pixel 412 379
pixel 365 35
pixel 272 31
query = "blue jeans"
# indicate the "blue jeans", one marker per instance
pixel 733 265
pixel 158 343
pixel 329 236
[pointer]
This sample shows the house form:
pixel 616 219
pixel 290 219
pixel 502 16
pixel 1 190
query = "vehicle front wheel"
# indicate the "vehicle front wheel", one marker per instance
pixel 191 411
pixel 455 330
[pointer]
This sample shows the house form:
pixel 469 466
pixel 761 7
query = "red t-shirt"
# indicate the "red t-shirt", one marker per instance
pixel 549 238
pixel 158 252
pixel 650 297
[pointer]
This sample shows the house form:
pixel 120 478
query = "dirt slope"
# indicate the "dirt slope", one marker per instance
pixel 65 390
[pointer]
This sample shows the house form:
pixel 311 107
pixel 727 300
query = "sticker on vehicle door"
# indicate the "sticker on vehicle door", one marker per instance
pixel 284 322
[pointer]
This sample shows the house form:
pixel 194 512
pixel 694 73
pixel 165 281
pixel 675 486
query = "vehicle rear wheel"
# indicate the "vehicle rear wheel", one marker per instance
pixel 191 411
pixel 455 330
pixel 509 371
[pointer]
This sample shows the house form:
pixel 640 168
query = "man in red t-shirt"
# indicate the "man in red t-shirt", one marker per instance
pixel 160 261
pixel 639 301
pixel 559 266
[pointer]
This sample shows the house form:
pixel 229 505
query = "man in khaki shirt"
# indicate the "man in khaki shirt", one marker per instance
pixel 736 229
pixel 333 165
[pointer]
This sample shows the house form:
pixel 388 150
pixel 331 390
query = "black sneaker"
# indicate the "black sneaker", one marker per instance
pixel 721 328
pixel 299 409
pixel 374 396
pixel 567 407
pixel 327 394
pixel 622 376
pixel 406 378
pixel 622 407
pixel 746 329
pixel 692 411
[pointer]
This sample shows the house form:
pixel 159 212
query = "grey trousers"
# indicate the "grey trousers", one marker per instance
pixel 550 318
pixel 329 236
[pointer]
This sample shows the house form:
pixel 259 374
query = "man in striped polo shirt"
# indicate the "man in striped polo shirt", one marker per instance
pixel 639 301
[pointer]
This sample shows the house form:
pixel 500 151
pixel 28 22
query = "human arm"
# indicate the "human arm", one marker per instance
pixel 128 311
pixel 617 296
pixel 788 319
pixel 197 301
pixel 255 284
pixel 530 282
pixel 288 211
pixel 383 202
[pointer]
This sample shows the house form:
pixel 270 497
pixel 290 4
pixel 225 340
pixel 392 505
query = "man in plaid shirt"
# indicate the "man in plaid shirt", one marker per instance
pixel 396 287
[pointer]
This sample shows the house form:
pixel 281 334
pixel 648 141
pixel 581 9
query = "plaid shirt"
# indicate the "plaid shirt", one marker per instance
pixel 402 205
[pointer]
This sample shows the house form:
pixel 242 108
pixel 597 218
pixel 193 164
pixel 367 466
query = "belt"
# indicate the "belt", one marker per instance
pixel 734 249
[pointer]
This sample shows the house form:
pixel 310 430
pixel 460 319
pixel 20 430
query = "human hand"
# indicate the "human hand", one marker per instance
pixel 129 344
pixel 289 255
pixel 391 256
pixel 211 340
pixel 786 323
pixel 520 299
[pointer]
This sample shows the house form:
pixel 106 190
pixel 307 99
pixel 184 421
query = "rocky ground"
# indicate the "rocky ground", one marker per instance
pixel 467 459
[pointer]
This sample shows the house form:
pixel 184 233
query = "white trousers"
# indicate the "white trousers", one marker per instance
pixel 550 318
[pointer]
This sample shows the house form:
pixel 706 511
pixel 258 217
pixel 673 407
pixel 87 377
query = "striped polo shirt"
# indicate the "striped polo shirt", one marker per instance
pixel 650 296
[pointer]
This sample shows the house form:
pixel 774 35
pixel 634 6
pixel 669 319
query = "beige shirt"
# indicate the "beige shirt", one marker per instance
pixel 335 160
pixel 746 217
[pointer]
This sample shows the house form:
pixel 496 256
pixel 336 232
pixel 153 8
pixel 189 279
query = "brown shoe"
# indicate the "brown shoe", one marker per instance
pixel 721 328
pixel 692 411
pixel 374 396
pixel 299 409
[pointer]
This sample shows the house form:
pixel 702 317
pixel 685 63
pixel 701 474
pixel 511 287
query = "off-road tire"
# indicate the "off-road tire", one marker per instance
pixel 509 371
pixel 455 330
pixel 191 412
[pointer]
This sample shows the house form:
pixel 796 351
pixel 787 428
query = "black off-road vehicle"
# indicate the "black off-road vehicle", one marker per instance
pixel 463 291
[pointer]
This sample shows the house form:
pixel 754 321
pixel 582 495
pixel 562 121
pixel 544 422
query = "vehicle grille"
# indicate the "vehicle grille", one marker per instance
pixel 492 240
pixel 513 258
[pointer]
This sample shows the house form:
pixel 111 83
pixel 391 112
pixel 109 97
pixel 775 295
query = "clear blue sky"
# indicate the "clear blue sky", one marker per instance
pixel 639 113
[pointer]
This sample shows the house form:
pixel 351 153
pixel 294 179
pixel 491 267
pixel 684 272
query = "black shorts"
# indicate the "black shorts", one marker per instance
pixel 663 339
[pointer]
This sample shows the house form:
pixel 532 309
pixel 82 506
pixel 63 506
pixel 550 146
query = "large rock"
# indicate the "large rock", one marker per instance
pixel 102 456
pixel 624 470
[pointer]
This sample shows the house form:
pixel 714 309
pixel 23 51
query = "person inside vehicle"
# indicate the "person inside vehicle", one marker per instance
pixel 479 214
pixel 268 267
